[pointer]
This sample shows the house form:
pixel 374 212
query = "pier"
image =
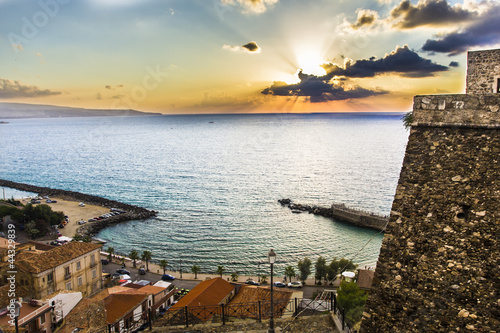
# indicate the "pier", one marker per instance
pixel 342 213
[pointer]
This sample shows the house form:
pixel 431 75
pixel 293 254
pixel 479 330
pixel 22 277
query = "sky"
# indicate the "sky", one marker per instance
pixel 229 56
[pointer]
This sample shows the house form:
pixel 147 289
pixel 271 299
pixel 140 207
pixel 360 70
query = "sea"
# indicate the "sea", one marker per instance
pixel 215 181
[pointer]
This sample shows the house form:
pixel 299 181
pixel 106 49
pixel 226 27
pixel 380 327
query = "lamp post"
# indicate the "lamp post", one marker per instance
pixel 258 272
pixel 17 310
pixel 271 256
pixel 180 267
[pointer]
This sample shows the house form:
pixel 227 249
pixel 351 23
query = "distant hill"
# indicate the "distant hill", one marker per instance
pixel 20 110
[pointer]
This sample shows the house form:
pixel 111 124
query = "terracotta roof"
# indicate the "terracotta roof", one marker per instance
pixel 88 312
pixel 208 292
pixel 37 262
pixel 118 305
pixel 244 302
pixel 40 245
pixel 152 290
pixel 4 294
pixel 117 289
pixel 365 278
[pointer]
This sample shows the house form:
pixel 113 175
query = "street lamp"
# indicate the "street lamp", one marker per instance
pixel 17 310
pixel 271 256
pixel 258 272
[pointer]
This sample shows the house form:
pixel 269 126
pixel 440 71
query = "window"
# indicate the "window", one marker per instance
pixel 66 270
pixel 42 319
pixel 78 265
pixel 80 281
pixel 50 277
pixel 94 273
pixel 92 260
pixel 68 286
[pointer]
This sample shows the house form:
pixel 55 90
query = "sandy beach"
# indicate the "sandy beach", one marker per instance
pixel 74 212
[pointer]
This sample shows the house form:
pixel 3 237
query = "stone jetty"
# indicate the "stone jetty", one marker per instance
pixel 342 213
pixel 131 212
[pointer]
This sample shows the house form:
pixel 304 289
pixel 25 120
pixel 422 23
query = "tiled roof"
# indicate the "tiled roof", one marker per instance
pixel 208 292
pixel 243 304
pixel 4 294
pixel 118 305
pixel 36 262
pixel 152 290
pixel 88 312
pixel 365 278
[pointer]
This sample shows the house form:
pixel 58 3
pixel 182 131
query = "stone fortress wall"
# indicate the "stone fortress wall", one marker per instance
pixel 438 269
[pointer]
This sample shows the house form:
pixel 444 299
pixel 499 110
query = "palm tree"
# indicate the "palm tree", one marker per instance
pixel 163 264
pixel 134 255
pixel 146 256
pixel 111 251
pixel 263 279
pixel 195 270
pixel 234 277
pixel 290 272
pixel 220 270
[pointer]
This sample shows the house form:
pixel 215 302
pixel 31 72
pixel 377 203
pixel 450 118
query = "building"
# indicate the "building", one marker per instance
pixel 438 266
pixel 34 316
pixel 203 301
pixel 75 266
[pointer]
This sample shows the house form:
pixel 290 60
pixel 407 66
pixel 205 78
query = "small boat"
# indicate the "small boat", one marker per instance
pixel 99 240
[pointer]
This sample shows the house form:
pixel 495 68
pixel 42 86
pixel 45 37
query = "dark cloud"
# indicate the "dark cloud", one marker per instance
pixel 482 32
pixel 251 47
pixel 454 64
pixel 428 12
pixel 14 89
pixel 402 61
pixel 365 18
pixel 319 89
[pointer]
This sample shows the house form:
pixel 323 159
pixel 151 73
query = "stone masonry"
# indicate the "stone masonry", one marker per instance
pixel 438 269
pixel 483 72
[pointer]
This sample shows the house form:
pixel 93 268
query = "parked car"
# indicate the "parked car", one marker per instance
pixel 142 271
pixel 279 284
pixel 81 204
pixel 167 277
pixel 104 261
pixel 122 271
pixel 295 284
pixel 252 282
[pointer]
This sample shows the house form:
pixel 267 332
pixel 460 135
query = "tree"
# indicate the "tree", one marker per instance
pixel 321 269
pixel 352 300
pixel 346 265
pixel 234 276
pixel 77 237
pixel 163 264
pixel 407 120
pixel 111 252
pixel 333 270
pixel 146 256
pixel 220 270
pixel 263 279
pixel 134 255
pixel 304 268
pixel 195 270
pixel 289 272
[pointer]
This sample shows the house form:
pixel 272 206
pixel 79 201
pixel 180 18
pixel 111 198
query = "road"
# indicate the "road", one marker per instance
pixel 187 283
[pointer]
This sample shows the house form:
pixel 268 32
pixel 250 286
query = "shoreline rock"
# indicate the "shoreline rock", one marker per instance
pixel 342 213
pixel 132 212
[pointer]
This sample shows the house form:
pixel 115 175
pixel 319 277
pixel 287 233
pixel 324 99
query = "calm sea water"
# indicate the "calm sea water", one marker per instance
pixel 216 179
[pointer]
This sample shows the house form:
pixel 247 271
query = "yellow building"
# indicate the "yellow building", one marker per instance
pixel 74 266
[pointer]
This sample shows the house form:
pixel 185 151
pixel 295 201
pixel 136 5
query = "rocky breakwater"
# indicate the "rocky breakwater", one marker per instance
pixel 132 212
pixel 342 213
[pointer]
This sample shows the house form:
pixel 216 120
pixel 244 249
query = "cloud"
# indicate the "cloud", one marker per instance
pixel 319 89
pixel 250 47
pixel 484 31
pixel 14 89
pixel 454 64
pixel 114 87
pixel 251 6
pixel 366 17
pixel 428 12
pixel 402 61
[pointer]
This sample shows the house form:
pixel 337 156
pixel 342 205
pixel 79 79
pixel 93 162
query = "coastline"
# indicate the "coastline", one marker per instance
pixel 132 212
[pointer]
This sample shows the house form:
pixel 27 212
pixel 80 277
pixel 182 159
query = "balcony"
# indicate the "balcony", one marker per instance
pixel 93 264
pixel 67 276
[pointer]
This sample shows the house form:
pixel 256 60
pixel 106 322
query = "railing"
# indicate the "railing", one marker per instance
pixel 191 315
pixel 67 276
